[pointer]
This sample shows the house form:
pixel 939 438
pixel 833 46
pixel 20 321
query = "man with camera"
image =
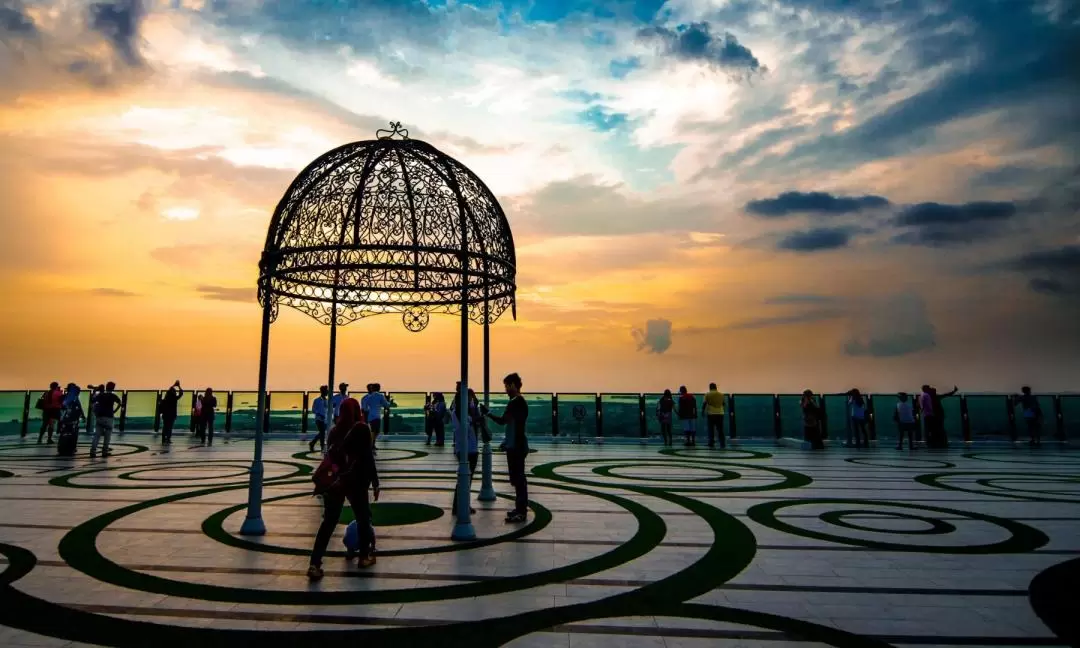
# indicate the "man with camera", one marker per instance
pixel 105 404
pixel 169 403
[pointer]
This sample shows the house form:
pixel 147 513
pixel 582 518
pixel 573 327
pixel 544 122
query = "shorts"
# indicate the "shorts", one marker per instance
pixel 376 426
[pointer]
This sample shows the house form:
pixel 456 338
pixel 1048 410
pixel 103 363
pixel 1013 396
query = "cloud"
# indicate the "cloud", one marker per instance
pixel 815 240
pixel 15 21
pixel 799 299
pixel 889 327
pixel 119 22
pixel 655 337
pixel 813 202
pixel 112 292
pixel 220 293
pixel 1052 271
pixel 939 225
pixel 696 42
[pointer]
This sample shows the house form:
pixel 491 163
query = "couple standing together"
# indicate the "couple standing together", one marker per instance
pixel 349 471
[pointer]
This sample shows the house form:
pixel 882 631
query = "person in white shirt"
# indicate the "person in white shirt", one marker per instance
pixel 318 408
pixel 335 402
pixel 905 421
pixel 373 404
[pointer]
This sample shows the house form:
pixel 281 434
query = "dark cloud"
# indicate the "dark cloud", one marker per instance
pixel 15 21
pixel 119 23
pixel 892 326
pixel 818 239
pixel 1065 259
pixel 813 202
pixel 655 337
pixel 930 213
pixel 696 42
pixel 941 225
pixel 1050 286
pixel 220 293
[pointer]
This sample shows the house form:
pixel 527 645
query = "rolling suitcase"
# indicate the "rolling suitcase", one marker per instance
pixel 67 441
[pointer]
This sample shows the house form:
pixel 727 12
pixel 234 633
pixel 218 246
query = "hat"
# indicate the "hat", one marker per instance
pixel 343 385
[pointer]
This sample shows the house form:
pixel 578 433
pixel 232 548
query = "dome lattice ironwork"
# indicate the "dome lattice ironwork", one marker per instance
pixel 375 227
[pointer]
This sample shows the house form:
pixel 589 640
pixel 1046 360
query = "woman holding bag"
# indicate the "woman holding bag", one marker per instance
pixel 347 471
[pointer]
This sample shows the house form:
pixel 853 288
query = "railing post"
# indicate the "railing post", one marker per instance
pixel 266 414
pixel 25 427
pixel 1059 417
pixel 965 419
pixel 228 412
pixel 731 414
pixel 191 414
pixel 599 417
pixel 871 417
pixel 157 411
pixel 554 415
pixel 642 422
pixel 1010 411
pixel 123 412
pixel 777 425
pixel 304 413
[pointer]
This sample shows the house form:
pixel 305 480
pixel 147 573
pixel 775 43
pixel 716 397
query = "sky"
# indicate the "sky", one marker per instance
pixel 771 194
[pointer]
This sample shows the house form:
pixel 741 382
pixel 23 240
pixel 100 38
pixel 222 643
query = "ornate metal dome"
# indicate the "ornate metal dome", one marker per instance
pixel 375 227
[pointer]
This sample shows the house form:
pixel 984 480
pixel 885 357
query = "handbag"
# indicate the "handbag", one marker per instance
pixel 40 404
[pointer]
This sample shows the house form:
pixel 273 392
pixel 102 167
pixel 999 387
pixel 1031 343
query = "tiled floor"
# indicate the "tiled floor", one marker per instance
pixel 626 546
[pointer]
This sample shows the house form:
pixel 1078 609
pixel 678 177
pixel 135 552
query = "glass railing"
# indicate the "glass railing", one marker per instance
pixel 990 417
pixel 620 415
pixel 577 415
pixel 12 404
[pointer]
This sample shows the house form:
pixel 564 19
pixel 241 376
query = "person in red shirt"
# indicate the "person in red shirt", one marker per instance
pixel 51 402
pixel 688 415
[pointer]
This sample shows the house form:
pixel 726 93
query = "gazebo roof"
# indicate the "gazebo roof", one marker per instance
pixel 375 227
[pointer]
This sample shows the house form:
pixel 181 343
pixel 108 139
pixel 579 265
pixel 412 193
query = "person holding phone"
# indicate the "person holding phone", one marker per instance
pixel 515 444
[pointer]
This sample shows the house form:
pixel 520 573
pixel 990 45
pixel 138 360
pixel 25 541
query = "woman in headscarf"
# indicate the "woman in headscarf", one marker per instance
pixel 349 446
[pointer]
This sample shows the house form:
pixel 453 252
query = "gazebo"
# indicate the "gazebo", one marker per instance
pixel 389 225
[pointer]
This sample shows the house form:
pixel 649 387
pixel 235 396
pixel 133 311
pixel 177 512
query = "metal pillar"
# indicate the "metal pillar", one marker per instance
pixel 487 489
pixel 463 528
pixel 331 388
pixel 253 524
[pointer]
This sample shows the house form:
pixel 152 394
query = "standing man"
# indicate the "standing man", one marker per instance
pixel 338 398
pixel 169 406
pixel 50 403
pixel 209 410
pixel 105 404
pixel 373 403
pixel 713 407
pixel 516 445
pixel 688 414
pixel 318 408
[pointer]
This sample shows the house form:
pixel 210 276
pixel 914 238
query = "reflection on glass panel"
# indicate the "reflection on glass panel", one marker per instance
pixel 11 411
pixel 791 415
pixel 885 425
pixel 836 414
pixel 652 423
pixel 621 415
pixel 989 417
pixel 407 416
pixel 754 416
pixel 245 410
pixel 286 411
pixel 140 411
pixel 577 415
pixel 1070 412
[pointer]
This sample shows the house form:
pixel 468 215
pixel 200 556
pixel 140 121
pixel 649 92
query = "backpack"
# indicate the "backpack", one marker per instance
pixel 327 476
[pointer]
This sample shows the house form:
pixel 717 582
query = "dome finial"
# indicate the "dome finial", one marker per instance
pixel 395 129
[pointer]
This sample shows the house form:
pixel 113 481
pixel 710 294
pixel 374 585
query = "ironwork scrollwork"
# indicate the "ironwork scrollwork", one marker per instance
pixel 375 227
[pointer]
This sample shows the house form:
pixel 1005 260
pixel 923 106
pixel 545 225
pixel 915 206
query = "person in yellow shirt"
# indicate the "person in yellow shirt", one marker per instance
pixel 714 408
